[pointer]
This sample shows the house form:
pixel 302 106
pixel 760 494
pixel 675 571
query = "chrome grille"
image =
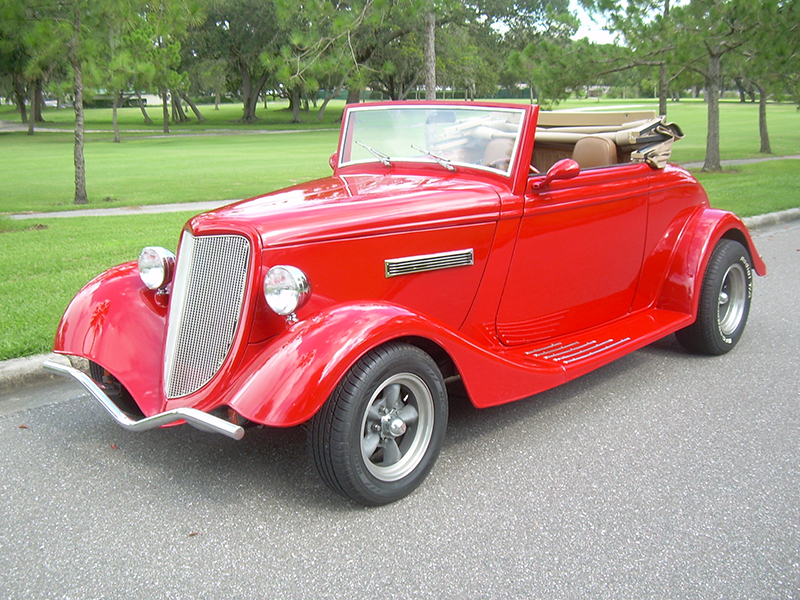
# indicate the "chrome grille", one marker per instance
pixel 205 310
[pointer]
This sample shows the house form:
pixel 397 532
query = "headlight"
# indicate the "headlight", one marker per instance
pixel 286 289
pixel 156 266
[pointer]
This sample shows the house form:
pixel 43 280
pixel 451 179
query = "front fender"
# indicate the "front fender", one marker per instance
pixel 703 231
pixel 287 379
pixel 118 323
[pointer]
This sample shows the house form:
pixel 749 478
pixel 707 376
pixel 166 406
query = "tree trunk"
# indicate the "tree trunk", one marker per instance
pixel 114 107
pixel 80 163
pixel 36 109
pixel 32 103
pixel 762 120
pixel 250 93
pixel 662 89
pixel 430 55
pixel 662 72
pixel 353 95
pixel 740 87
pixel 165 110
pixel 329 97
pixel 295 102
pixel 193 106
pixel 216 100
pixel 147 119
pixel 178 116
pixel 19 94
pixel 712 162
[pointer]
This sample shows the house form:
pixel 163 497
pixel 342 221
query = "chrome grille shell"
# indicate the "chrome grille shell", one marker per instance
pixel 205 309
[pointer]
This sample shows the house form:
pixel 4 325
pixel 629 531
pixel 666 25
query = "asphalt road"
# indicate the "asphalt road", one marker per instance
pixel 663 475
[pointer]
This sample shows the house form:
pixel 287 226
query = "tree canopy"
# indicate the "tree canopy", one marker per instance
pixel 243 50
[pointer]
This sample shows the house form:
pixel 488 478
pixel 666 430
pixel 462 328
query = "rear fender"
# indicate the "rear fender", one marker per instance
pixel 703 231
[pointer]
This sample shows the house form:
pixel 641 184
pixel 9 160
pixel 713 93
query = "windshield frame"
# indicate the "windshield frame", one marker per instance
pixel 350 136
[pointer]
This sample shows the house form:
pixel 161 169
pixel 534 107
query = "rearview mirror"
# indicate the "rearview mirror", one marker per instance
pixel 566 168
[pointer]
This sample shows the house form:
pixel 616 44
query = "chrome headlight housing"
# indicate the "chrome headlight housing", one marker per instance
pixel 156 267
pixel 286 289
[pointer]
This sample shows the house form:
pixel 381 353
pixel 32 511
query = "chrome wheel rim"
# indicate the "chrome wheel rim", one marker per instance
pixel 397 427
pixel 732 299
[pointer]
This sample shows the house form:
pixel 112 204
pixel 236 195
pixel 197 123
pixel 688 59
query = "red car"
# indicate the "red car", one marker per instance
pixel 496 245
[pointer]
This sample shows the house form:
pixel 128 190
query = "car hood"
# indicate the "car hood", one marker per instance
pixel 354 205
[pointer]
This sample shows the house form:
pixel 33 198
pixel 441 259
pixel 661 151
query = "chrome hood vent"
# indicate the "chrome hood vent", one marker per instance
pixel 205 309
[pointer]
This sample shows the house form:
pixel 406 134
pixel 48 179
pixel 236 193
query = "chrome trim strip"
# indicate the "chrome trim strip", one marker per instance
pixel 428 262
pixel 195 418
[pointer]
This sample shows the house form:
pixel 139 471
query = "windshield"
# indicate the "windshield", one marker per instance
pixel 478 137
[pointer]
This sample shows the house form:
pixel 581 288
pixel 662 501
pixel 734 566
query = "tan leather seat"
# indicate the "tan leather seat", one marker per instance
pixel 595 151
pixel 498 153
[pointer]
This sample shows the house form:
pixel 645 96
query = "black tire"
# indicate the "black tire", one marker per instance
pixel 379 434
pixel 725 297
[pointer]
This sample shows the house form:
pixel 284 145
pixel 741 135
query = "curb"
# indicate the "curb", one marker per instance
pixel 775 218
pixel 20 372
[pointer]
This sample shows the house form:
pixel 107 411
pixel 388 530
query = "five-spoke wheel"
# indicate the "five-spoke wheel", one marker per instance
pixel 724 301
pixel 378 435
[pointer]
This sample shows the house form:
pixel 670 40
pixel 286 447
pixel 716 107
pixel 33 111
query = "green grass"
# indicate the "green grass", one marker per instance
pixel 157 170
pixel 754 189
pixel 45 263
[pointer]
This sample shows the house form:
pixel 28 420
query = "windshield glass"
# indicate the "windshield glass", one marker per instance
pixel 478 137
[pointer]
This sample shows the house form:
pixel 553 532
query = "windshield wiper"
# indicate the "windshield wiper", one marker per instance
pixel 439 159
pixel 379 155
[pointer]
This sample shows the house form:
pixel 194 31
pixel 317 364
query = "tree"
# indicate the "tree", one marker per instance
pixel 770 54
pixel 707 30
pixel 240 32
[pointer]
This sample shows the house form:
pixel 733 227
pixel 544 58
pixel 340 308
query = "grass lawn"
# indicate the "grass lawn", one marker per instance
pixel 44 264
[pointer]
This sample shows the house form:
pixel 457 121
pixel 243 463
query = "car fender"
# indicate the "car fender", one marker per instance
pixel 700 236
pixel 118 323
pixel 288 379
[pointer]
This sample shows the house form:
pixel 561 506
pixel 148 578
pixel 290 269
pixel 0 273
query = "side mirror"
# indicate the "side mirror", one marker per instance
pixel 566 168
pixel 334 160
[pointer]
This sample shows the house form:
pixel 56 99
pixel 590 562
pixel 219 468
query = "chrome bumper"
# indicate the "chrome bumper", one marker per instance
pixel 195 418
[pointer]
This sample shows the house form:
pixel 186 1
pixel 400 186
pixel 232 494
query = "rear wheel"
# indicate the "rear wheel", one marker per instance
pixel 379 434
pixel 724 301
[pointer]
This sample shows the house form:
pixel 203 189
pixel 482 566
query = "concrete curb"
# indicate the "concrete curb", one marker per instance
pixel 775 218
pixel 20 372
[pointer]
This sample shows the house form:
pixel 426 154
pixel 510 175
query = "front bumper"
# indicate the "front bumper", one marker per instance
pixel 192 416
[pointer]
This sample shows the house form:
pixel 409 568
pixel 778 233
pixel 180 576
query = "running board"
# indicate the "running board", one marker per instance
pixel 583 351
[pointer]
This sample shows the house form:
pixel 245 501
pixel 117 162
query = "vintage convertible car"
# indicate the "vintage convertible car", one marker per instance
pixel 494 245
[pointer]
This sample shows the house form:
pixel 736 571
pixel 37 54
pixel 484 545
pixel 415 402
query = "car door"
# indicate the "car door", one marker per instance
pixel 578 254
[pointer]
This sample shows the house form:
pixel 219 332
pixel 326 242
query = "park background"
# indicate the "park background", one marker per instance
pixel 245 96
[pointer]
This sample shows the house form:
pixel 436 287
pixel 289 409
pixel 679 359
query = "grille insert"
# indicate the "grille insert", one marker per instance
pixel 207 296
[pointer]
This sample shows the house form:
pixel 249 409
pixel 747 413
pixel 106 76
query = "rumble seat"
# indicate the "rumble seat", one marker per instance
pixel 595 151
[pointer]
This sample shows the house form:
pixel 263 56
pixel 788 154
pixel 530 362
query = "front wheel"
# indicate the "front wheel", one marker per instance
pixel 724 301
pixel 379 434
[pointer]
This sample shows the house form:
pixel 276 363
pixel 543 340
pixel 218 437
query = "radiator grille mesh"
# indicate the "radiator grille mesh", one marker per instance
pixel 210 279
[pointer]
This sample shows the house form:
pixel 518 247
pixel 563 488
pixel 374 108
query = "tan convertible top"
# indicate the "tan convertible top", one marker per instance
pixel 647 137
